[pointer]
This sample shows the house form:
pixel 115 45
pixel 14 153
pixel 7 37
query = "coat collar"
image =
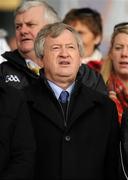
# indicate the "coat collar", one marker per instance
pixel 15 57
pixel 45 102
pixel 83 100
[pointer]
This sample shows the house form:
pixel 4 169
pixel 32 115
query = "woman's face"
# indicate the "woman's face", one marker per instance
pixel 119 55
pixel 89 39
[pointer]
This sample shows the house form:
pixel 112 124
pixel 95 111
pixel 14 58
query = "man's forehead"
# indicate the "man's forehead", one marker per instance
pixel 65 33
pixel 60 40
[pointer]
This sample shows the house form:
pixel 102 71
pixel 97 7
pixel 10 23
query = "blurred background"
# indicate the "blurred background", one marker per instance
pixel 112 11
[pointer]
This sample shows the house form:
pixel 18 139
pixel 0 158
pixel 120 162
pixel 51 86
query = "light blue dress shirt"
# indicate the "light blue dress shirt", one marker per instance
pixel 57 90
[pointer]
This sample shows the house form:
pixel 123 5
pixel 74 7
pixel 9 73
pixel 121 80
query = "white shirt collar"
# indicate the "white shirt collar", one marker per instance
pixel 96 56
pixel 29 63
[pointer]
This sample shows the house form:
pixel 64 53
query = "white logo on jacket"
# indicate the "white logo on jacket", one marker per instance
pixel 10 78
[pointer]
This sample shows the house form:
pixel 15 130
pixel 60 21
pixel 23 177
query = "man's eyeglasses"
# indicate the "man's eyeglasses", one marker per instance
pixel 121 26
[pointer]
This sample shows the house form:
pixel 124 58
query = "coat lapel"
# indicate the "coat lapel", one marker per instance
pixel 48 106
pixel 83 101
pixel 49 110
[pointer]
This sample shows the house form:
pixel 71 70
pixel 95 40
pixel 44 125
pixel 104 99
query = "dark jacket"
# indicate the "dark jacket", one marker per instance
pixel 87 147
pixel 15 73
pixel 124 146
pixel 17 145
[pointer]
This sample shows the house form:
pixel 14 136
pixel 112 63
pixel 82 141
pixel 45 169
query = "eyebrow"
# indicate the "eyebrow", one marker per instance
pixel 62 44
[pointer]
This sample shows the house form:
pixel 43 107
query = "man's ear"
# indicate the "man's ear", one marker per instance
pixel 98 39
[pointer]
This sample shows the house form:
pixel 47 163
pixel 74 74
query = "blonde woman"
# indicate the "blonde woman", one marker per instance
pixel 115 74
pixel 115 68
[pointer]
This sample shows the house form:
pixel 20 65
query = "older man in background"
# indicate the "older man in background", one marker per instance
pixel 22 66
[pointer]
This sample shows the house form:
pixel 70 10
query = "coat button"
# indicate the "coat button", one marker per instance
pixel 67 138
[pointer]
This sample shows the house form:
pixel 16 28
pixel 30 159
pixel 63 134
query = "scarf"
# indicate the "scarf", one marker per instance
pixel 118 93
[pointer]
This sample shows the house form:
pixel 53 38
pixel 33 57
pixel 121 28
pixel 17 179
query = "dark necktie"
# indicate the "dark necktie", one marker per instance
pixel 63 98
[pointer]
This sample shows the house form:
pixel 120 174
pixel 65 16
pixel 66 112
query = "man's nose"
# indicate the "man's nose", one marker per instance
pixel 64 51
pixel 24 29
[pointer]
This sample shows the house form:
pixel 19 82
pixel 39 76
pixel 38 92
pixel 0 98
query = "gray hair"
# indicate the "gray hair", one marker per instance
pixel 50 15
pixel 54 30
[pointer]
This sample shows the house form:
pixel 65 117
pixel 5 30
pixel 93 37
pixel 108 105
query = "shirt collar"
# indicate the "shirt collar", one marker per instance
pixel 33 66
pixel 57 90
pixel 96 56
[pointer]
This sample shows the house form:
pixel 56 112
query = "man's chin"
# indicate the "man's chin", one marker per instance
pixel 67 76
pixel 26 48
pixel 25 52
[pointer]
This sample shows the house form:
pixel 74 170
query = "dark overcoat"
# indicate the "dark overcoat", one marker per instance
pixel 86 148
pixel 17 144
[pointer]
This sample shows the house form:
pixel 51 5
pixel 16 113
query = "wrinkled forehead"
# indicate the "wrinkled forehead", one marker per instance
pixel 64 36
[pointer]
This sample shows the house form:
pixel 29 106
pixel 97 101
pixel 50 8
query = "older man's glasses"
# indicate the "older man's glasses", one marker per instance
pixel 121 26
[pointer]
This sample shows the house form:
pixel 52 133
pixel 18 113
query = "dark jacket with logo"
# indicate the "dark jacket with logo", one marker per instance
pixel 15 73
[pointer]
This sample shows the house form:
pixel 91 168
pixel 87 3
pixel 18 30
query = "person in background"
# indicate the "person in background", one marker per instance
pixel 17 142
pixel 76 128
pixel 88 23
pixel 115 68
pixel 3 44
pixel 22 65
pixel 115 74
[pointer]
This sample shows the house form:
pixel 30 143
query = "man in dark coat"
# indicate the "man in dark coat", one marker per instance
pixel 77 134
pixel 17 144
